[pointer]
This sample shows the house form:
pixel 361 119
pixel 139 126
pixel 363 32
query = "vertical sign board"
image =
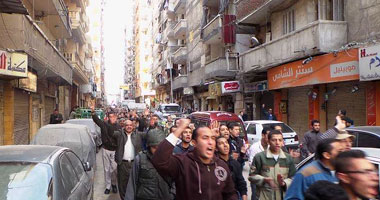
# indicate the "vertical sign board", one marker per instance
pixel 369 63
pixel 371 104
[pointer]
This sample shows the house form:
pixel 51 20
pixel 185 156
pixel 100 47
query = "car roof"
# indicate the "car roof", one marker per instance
pixel 82 119
pixel 28 153
pixel 64 126
pixel 370 129
pixel 262 122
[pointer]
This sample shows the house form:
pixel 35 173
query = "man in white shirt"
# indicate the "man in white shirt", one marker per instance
pixel 256 148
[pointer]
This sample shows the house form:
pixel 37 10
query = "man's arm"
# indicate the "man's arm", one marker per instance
pixel 291 173
pixel 97 121
pixel 254 173
pixel 132 182
pixel 305 145
pixel 241 184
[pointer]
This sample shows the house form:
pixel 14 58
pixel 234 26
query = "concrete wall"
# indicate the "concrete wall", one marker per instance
pixel 363 19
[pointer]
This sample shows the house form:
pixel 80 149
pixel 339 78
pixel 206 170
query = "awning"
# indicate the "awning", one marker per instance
pixel 13 6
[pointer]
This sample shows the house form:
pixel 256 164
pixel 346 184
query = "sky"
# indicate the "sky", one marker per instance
pixel 117 16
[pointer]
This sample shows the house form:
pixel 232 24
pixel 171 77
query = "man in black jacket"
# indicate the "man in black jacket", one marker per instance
pixel 223 149
pixel 56 117
pixel 109 146
pixel 129 144
pixel 237 148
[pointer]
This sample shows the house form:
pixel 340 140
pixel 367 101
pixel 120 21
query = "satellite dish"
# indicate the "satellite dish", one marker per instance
pixel 254 42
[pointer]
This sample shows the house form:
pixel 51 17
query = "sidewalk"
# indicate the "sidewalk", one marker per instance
pixel 99 185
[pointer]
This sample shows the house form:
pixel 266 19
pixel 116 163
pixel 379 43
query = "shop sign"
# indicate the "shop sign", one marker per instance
pixel 256 86
pixel 214 90
pixel 231 86
pixel 188 91
pixel 13 64
pixel 28 84
pixel 328 68
pixel 369 63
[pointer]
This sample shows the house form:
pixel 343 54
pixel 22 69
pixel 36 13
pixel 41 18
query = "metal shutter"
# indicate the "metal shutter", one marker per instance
pixel 49 108
pixel 21 117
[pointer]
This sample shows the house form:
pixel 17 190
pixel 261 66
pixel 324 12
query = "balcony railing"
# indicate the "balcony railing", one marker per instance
pixel 212 32
pixel 180 29
pixel 315 38
pixel 180 6
pixel 180 82
pixel 220 68
pixel 180 56
pixel 78 25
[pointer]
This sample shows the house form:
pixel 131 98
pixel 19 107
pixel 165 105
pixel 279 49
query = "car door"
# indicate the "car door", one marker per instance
pixel 85 183
pixel 252 133
pixel 67 180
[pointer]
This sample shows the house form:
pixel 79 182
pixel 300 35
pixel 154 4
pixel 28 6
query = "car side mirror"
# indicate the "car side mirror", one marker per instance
pixel 87 166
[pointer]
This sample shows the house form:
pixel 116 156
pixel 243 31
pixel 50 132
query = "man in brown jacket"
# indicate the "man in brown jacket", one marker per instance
pixel 198 174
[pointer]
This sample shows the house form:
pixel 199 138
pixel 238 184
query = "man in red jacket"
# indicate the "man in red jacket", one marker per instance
pixel 198 174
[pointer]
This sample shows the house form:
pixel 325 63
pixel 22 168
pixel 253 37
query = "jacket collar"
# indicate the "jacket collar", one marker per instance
pixel 270 155
pixel 323 167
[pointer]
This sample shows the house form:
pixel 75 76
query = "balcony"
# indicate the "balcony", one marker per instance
pixel 79 74
pixel 180 29
pixel 212 32
pixel 180 6
pixel 78 25
pixel 28 37
pixel 180 56
pixel 315 38
pixel 180 82
pixel 211 3
pixel 219 69
pixel 170 10
pixel 168 31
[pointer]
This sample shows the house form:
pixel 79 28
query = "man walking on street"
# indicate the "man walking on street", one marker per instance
pixel 223 149
pixel 109 146
pixel 144 181
pixel 185 145
pixel 56 117
pixel 310 140
pixel 129 143
pixel 272 169
pixel 198 174
pixel 320 169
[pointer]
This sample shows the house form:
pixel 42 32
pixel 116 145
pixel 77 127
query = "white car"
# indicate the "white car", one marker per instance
pixel 255 127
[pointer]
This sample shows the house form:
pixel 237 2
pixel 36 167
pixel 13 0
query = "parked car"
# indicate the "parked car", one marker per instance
pixel 255 127
pixel 94 129
pixel 365 136
pixel 75 137
pixel 164 110
pixel 207 117
pixel 43 172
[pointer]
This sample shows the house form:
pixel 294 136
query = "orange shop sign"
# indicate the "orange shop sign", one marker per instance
pixel 328 68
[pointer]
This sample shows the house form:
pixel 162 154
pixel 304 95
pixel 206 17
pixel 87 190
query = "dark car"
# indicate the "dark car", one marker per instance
pixel 94 129
pixel 365 136
pixel 43 172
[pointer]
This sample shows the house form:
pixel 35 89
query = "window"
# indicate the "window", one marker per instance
pixel 368 140
pixel 288 22
pixel 68 176
pixel 285 128
pixel 76 163
pixel 251 129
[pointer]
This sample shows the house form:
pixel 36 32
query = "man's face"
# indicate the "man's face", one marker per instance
pixel 224 130
pixel 337 148
pixel 346 144
pixel 205 143
pixel 112 118
pixel 276 142
pixel 316 127
pixel 270 110
pixel 278 128
pixel 235 131
pixel 186 135
pixel 223 146
pixel 362 178
pixel 55 112
pixel 265 137
pixel 128 126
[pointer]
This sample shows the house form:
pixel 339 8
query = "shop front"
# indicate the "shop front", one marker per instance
pixel 318 89
pixel 255 95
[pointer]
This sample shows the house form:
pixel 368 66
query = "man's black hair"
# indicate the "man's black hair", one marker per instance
pixel 273 132
pixel 325 190
pixel 324 145
pixel 343 160
pixel 231 125
pixel 314 121
pixel 265 130
pixel 111 113
pixel 343 112
pixel 195 132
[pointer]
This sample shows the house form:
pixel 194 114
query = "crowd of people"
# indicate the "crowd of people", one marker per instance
pixel 146 159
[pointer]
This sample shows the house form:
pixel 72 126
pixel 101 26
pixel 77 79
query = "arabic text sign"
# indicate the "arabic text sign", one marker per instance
pixel 13 64
pixel 369 63
pixel 327 68
pixel 231 86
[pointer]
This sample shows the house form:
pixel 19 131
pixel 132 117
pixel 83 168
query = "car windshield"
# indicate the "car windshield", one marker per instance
pixel 171 108
pixel 19 180
pixel 285 128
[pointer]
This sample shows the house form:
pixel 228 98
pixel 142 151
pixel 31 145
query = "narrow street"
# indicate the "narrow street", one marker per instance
pixel 99 182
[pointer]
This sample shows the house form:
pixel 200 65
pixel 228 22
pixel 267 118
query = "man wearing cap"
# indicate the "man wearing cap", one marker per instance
pixel 144 180
pixel 345 140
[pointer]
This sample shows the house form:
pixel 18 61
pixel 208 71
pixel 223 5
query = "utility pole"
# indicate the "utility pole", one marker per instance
pixel 171 82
